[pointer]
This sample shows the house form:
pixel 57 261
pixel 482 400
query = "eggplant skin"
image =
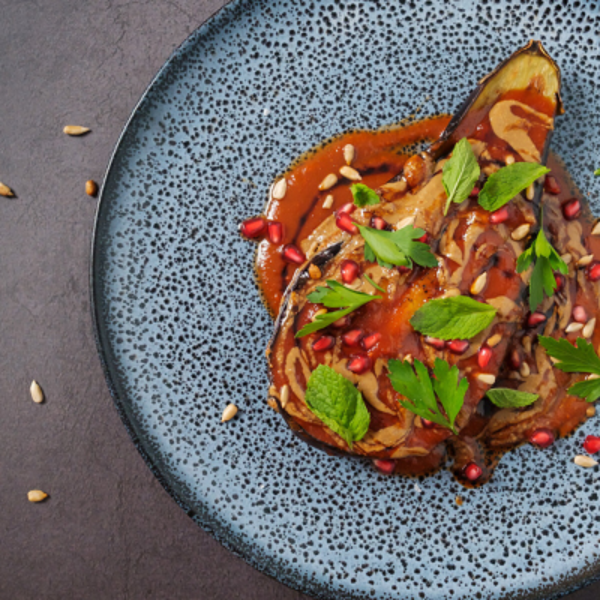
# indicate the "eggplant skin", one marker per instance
pixel 534 65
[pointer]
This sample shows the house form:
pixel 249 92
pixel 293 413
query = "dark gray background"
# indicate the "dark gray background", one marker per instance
pixel 109 530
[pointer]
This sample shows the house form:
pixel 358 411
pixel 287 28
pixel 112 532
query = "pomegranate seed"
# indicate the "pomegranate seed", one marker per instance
pixel 435 342
pixel 515 359
pixel 551 185
pixel 535 319
pixel 499 216
pixel 474 192
pixel 370 341
pixel 402 269
pixel 293 254
pixel 458 346
pixel 424 238
pixel 275 232
pixel 253 228
pixel 359 364
pixel 343 322
pixel 580 314
pixel 427 424
pixel 483 357
pixel 560 281
pixel 378 223
pixel 385 466
pixel 542 438
pixel 473 471
pixel 571 209
pixel 592 444
pixel 353 337
pixel 325 342
pixel 348 208
pixel 349 270
pixel 344 221
pixel 594 272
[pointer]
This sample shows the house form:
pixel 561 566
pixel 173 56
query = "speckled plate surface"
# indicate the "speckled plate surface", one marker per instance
pixel 182 331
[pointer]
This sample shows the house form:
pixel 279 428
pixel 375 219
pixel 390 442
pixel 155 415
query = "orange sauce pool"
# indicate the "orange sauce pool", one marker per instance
pixel 379 156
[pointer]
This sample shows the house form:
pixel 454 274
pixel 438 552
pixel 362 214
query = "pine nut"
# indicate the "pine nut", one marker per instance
pixel 314 272
pixel 395 186
pixel 321 311
pixel 590 412
pixel 284 395
pixel 572 327
pixel 451 293
pixel 349 153
pixel 328 182
pixel 487 378
pixel 91 188
pixel 530 192
pixel 75 130
pixel 522 231
pixel 584 261
pixel 279 189
pixel 328 203
pixel 478 285
pixel 405 222
pixel 588 330
pixel 6 191
pixel 509 160
pixel 409 358
pixel 37 395
pixel 494 340
pixel 596 229
pixel 567 258
pixel 36 496
pixel 525 370
pixel 584 461
pixel 350 173
pixel 229 412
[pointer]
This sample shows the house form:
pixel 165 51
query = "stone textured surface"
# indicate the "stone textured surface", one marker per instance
pixel 108 530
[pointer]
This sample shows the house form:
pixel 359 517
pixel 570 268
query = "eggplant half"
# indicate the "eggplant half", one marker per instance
pixel 509 117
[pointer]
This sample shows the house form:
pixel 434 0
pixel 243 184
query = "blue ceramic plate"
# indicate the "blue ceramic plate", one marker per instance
pixel 182 331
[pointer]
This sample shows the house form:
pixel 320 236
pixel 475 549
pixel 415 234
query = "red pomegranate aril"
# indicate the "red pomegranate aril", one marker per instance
pixel 483 357
pixel 353 337
pixel 515 359
pixel 560 281
pixel 592 444
pixel 424 238
pixel 535 319
pixel 571 209
pixel 344 222
pixel 427 423
pixel 551 185
pixel 370 341
pixel 474 192
pixel 349 270
pixel 579 314
pixel 359 364
pixel 378 223
pixel 348 208
pixel 499 216
pixel 542 438
pixel 253 228
pixel 343 322
pixel 325 342
pixel 275 232
pixel 473 471
pixel 435 342
pixel 458 346
pixel 384 465
pixel 594 272
pixel 402 269
pixel 293 254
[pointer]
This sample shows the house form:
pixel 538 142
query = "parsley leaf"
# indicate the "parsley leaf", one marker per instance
pixel 377 287
pixel 335 295
pixel 460 173
pixel 399 248
pixel 581 358
pixel 503 185
pixel 425 394
pixel 364 195
pixel 335 400
pixel 453 318
pixel 509 398
pixel 546 260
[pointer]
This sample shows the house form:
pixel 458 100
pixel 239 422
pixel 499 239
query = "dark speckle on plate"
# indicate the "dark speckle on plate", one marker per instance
pixel 182 331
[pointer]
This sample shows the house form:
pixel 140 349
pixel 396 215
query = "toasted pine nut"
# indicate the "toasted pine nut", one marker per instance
pixel 328 203
pixel 279 189
pixel 487 378
pixel 479 283
pixel 349 153
pixel 405 222
pixel 521 232
pixel 75 130
pixel 530 192
pixel 567 258
pixel 525 370
pixel 596 229
pixel 588 330
pixel 284 395
pixel 509 159
pixel 328 182
pixel 572 327
pixel 37 395
pixel 494 340
pixel 229 412
pixel 314 271
pixel 350 173
pixel 584 461
pixel 584 261
pixel 36 496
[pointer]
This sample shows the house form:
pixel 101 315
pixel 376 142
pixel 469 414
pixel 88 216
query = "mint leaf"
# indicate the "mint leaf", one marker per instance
pixel 425 394
pixel 460 173
pixel 398 248
pixel 509 398
pixel 364 195
pixel 503 185
pixel 335 295
pixel 377 287
pixel 597 172
pixel 335 400
pixel 581 358
pixel 546 260
pixel 453 318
